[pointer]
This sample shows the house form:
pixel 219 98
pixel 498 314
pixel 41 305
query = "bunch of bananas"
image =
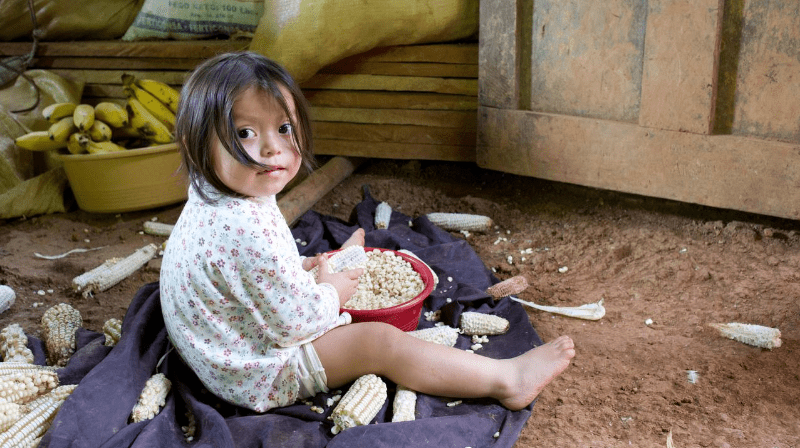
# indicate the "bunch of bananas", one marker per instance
pixel 146 118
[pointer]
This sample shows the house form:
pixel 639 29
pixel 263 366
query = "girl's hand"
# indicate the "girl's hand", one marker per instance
pixel 345 282
pixel 310 262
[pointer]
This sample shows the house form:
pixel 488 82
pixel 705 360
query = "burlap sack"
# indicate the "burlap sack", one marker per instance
pixel 306 35
pixel 194 19
pixel 67 19
pixel 31 183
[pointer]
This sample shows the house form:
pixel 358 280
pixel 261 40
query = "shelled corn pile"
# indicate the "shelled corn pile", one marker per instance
pixel 407 102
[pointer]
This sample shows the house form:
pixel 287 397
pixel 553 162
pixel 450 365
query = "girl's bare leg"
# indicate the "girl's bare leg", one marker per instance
pixel 356 239
pixel 353 350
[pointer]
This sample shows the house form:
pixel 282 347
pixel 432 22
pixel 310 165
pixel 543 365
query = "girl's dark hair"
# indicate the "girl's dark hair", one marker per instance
pixel 206 107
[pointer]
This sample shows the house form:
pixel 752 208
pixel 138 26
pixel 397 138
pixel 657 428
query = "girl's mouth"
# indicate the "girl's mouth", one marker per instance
pixel 270 169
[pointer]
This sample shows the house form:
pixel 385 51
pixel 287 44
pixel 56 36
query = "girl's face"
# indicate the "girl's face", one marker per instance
pixel 266 134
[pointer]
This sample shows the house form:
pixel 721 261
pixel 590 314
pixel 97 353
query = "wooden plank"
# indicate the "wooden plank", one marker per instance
pixel 200 49
pixel 393 100
pixel 393 84
pixel 425 135
pixel 732 172
pixel 422 69
pixel 767 100
pixel 463 53
pixel 680 65
pixel 437 118
pixel 320 182
pixel 498 54
pixel 113 77
pixel 105 63
pixel 587 58
pixel 394 150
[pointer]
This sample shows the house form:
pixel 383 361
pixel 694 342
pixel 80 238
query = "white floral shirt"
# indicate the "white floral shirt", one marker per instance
pixel 236 301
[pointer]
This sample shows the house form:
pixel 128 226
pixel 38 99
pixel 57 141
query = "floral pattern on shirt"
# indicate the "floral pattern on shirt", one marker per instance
pixel 236 301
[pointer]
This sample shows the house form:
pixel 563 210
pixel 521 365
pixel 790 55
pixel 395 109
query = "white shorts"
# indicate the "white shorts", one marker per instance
pixel 312 375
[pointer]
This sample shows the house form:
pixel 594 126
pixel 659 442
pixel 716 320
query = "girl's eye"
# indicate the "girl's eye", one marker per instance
pixel 285 128
pixel 244 133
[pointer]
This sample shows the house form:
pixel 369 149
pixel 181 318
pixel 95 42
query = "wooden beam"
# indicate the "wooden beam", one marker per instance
pixel 394 150
pixel 498 54
pixel 393 84
pixel 679 78
pixel 389 100
pixel 304 195
pixel 426 135
pixel 730 172
pixel 436 118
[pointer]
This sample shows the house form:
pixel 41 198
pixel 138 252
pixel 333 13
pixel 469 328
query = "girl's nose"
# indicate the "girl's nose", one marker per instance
pixel 271 145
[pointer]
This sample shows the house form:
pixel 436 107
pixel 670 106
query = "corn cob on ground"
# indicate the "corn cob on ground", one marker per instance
pixel 404 405
pixel 383 214
pixel 59 324
pixel 152 398
pixel 473 322
pixel 14 345
pixel 750 334
pixel 442 334
pixel 7 298
pixel 507 287
pixel 113 271
pixel 456 222
pixel 360 404
pixel 36 418
pixel 112 330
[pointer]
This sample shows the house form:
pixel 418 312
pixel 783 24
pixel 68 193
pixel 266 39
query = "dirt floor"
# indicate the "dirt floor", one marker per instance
pixel 681 266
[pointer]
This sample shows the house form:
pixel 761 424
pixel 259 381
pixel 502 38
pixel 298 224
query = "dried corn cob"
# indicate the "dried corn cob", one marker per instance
pixel 589 311
pixel 31 426
pixel 59 324
pixel 404 405
pixel 360 404
pixel 383 215
pixel 112 329
pixel 350 257
pixel 507 287
pixel 11 368
pixel 113 271
pixel 9 414
pixel 442 334
pixel 152 398
pixel 7 298
pixel 14 345
pixel 26 385
pixel 750 334
pixel 473 322
pixel 461 221
pixel 158 228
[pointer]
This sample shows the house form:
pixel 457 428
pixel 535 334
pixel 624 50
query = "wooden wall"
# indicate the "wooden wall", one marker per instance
pixel 409 102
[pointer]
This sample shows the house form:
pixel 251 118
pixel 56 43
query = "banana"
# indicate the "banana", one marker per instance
pixel 111 113
pixel 57 111
pixel 60 130
pixel 146 124
pixel 153 104
pixel 100 132
pixel 38 141
pixel 77 142
pixel 103 147
pixel 83 116
pixel 162 91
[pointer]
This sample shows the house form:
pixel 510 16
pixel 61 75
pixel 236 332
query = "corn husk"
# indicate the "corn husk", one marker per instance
pixel 590 311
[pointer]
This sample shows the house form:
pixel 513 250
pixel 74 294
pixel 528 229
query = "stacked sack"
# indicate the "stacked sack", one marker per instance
pixel 147 118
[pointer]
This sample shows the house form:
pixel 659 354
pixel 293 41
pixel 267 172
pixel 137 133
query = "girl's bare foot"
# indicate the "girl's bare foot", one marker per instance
pixel 536 369
pixel 356 239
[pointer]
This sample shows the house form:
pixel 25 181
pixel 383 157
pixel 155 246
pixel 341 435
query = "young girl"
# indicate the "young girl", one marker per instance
pixel 240 304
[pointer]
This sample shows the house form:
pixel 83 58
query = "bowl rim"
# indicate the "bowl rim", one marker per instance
pixel 422 268
pixel 132 152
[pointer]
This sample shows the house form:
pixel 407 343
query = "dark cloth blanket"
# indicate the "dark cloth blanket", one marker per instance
pixel 110 379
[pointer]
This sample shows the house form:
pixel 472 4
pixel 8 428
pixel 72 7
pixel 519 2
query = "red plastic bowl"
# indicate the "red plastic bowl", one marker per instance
pixel 406 315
